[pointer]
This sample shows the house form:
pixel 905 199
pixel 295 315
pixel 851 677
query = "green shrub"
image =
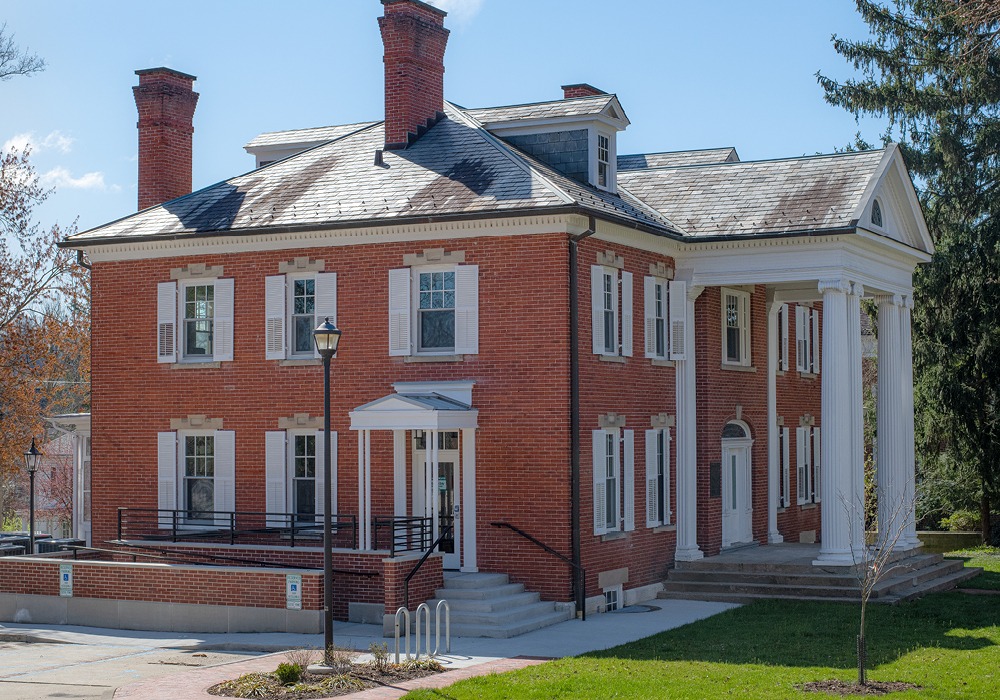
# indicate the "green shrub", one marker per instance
pixel 249 685
pixel 11 523
pixel 287 673
pixel 961 520
pixel 380 656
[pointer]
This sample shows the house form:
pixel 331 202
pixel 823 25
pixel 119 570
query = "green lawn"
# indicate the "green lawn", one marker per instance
pixel 947 643
pixel 985 557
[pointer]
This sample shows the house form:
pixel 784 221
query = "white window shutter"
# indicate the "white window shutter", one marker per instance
pixel 467 309
pixel 600 514
pixel 678 320
pixel 652 482
pixel 744 305
pixel 597 307
pixel 627 314
pixel 801 339
pixel 786 466
pixel 801 466
pixel 275 478
pixel 399 311
pixel 666 477
pixel 320 476
pixel 629 440
pixel 814 316
pixel 222 326
pixel 166 322
pixel 817 467
pixel 274 317
pixel 326 300
pixel 166 476
pixel 225 475
pixel 649 315
pixel 783 350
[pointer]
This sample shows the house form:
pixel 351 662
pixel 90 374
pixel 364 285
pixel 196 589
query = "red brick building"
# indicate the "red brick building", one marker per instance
pixel 630 358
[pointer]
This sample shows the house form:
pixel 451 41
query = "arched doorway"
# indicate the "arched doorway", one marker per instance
pixel 737 502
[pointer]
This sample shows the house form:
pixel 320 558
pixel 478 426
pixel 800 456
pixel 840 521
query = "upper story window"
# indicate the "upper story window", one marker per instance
pixel 294 304
pixel 611 310
pixel 876 213
pixel 203 308
pixel 735 327
pixel 434 310
pixel 806 340
pixel 657 312
pixel 782 356
pixel 603 161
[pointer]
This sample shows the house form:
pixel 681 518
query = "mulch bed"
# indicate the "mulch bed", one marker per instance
pixel 846 688
pixel 314 686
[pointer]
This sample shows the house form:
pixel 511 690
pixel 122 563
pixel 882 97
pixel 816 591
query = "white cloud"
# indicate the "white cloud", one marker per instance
pixel 61 177
pixel 459 11
pixel 53 141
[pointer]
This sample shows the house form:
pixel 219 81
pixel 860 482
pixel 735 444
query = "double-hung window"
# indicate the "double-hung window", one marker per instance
pixel 782 356
pixel 658 477
pixel 603 161
pixel 784 492
pixel 293 472
pixel 608 287
pixel 807 450
pixel 614 480
pixel 735 327
pixel 195 320
pixel 434 310
pixel 656 299
pixel 294 304
pixel 806 340
pixel 196 475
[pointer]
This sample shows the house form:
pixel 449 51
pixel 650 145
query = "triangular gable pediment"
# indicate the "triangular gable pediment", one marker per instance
pixel 613 110
pixel 890 191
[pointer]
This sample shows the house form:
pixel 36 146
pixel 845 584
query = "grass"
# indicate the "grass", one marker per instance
pixel 986 557
pixel 947 643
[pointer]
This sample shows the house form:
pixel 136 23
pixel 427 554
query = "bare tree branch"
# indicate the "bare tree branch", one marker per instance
pixel 14 61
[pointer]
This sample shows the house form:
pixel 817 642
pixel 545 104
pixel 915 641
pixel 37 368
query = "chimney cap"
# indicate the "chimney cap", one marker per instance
pixel 418 3
pixel 171 71
pixel 584 86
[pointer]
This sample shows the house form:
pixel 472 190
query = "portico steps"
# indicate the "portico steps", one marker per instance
pixel 488 605
pixel 745 581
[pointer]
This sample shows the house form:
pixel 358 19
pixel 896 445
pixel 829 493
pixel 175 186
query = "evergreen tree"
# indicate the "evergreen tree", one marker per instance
pixel 932 67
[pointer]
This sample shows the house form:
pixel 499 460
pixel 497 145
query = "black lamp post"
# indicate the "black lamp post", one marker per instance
pixel 31 458
pixel 327 338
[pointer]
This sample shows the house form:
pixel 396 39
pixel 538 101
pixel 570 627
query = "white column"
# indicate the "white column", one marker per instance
pixel 433 497
pixel 773 453
pixel 838 517
pixel 399 473
pixel 362 521
pixel 469 500
pixel 857 455
pixel 891 450
pixel 368 489
pixel 909 540
pixel 687 442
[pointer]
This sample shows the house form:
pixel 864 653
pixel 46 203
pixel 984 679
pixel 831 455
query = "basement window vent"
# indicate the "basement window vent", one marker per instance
pixel 612 599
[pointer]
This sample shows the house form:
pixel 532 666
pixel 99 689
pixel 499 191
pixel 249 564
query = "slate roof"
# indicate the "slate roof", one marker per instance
pixel 758 197
pixel 677 158
pixel 298 136
pixel 457 168
pixel 575 107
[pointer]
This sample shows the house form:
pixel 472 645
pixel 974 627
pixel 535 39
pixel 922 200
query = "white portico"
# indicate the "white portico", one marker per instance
pixel 433 429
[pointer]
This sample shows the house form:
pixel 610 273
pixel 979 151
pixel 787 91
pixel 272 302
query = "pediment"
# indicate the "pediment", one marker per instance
pixel 889 206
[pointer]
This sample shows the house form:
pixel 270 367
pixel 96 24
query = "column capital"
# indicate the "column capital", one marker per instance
pixel 889 299
pixel 908 301
pixel 694 291
pixel 837 284
pixel 857 289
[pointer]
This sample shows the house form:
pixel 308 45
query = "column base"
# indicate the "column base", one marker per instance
pixel 688 554
pixel 834 559
pixel 774 538
pixel 905 545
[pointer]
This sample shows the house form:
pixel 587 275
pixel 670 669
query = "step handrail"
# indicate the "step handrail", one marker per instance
pixel 581 572
pixel 445 531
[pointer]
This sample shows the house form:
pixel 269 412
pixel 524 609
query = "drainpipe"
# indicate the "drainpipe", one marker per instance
pixel 79 260
pixel 579 586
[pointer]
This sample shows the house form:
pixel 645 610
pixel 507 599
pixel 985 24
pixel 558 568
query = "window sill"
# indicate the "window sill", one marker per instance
pixel 808 506
pixel 434 358
pixel 300 362
pixel 737 368
pixel 808 375
pixel 662 363
pixel 195 365
pixel 612 358
pixel 665 528
pixel 779 373
pixel 781 510
pixel 612 536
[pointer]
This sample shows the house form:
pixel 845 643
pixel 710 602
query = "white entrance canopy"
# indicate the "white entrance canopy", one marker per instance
pixel 425 411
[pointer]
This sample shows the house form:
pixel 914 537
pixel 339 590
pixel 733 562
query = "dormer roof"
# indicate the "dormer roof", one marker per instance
pixel 603 107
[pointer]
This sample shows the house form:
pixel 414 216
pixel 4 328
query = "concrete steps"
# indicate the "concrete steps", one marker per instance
pixel 488 605
pixel 716 579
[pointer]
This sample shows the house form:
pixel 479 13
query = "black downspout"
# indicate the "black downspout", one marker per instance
pixel 580 585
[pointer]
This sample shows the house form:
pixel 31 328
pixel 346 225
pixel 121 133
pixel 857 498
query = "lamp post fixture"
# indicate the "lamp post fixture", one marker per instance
pixel 327 338
pixel 31 458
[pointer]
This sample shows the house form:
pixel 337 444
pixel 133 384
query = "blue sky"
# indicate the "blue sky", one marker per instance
pixel 689 75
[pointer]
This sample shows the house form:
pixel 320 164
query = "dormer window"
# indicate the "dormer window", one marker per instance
pixel 876 213
pixel 603 160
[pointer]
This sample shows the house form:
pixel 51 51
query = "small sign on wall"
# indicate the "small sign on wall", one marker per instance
pixel 293 591
pixel 715 480
pixel 66 580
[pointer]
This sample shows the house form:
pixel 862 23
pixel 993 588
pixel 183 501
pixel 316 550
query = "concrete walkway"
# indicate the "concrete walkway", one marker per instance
pixel 468 656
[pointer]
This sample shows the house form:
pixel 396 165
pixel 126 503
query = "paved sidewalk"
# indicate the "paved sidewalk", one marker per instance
pixel 468 657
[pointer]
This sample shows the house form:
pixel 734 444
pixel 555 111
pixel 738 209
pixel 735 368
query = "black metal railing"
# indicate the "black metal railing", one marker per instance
pixel 581 573
pixel 400 534
pixel 445 534
pixel 234 527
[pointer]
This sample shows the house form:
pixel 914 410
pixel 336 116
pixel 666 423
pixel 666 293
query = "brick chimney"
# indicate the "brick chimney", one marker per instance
pixel 166 101
pixel 414 38
pixel 580 90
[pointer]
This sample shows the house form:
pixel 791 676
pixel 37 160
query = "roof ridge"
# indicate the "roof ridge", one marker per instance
pixel 815 156
pixel 683 150
pixel 539 102
pixel 505 150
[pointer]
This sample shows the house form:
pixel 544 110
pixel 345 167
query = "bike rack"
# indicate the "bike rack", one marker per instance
pixel 406 617
pixel 424 612
pixel 437 627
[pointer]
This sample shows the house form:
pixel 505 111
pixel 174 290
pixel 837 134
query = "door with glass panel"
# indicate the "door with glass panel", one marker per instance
pixel 737 504
pixel 445 498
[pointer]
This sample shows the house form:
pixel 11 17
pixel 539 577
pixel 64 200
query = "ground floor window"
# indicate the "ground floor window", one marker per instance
pixel 304 478
pixel 784 492
pixel 199 476
pixel 658 510
pixel 807 450
pixel 614 480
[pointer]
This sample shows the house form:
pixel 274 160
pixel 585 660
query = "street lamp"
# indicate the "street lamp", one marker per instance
pixel 327 338
pixel 31 458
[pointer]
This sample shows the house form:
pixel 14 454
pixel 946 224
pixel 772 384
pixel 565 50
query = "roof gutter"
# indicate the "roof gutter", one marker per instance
pixel 580 584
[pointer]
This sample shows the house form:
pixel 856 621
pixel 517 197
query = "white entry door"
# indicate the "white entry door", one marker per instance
pixel 445 504
pixel 737 506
